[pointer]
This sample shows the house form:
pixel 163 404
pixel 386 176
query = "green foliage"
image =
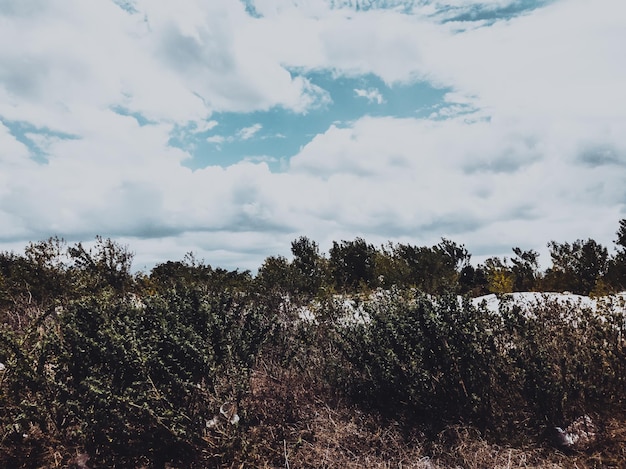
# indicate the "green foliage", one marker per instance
pixel 576 267
pixel 307 266
pixel 153 370
pixel 352 265
pixel 521 275
pixel 106 265
pixel 621 235
pixel 568 360
pixel 132 369
pixel 191 272
pixel 616 275
pixel 134 382
pixel 434 269
pixel 473 281
pixel 434 361
pixel 525 266
pixel 421 360
pixel 500 277
pixel 275 275
pixel 40 276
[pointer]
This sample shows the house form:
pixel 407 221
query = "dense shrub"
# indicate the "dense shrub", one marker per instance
pixel 426 360
pixel 430 362
pixel 133 384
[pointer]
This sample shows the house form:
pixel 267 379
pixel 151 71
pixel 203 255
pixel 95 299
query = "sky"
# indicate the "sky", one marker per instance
pixel 229 128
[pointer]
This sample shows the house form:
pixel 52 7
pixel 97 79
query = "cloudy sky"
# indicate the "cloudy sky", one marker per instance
pixel 229 128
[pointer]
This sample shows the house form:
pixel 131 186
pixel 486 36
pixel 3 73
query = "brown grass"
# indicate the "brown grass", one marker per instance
pixel 291 420
pixel 297 423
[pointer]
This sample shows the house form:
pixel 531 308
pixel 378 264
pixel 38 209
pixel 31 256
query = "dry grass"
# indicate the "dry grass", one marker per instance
pixel 290 420
pixel 296 423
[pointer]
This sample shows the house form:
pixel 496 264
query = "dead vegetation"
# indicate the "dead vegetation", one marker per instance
pixel 295 422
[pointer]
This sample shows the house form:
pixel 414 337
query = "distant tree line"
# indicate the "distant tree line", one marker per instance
pixel 52 269
pixel 583 267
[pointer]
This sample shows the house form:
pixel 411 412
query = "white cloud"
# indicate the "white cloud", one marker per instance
pixel 409 176
pixel 205 126
pixel 372 95
pixel 527 146
pixel 248 132
pixel 218 139
pixel 243 134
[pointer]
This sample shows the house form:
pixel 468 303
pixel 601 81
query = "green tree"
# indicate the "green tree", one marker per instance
pixel 621 235
pixel 578 266
pixel 390 269
pixel 306 265
pixel 525 269
pixel 616 274
pixel 499 275
pixel 187 272
pixel 434 269
pixel 39 277
pixel 275 275
pixel 352 264
pixel 473 281
pixel 106 265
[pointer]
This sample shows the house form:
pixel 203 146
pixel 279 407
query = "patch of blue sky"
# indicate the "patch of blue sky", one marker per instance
pixel 489 13
pixel 278 134
pixel 140 118
pixel 250 8
pixel 35 138
pixel 365 5
pixel 128 5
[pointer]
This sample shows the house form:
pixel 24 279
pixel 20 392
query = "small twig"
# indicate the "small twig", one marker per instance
pixel 330 416
pixel 156 391
pixel 285 451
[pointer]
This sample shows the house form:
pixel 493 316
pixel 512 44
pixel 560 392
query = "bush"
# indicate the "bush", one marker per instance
pixel 431 362
pixel 135 384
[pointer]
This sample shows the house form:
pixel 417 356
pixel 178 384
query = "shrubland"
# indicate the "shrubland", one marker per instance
pixel 371 357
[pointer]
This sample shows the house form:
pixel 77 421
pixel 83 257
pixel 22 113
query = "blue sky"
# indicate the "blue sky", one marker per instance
pixel 277 134
pixel 230 128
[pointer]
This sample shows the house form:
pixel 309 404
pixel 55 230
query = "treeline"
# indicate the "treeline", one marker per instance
pixel 53 269
pixel 582 267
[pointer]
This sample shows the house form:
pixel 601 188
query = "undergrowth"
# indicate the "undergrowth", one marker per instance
pixel 192 376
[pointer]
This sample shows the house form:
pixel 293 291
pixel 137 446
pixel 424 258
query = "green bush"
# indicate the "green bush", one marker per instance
pixel 430 362
pixel 135 384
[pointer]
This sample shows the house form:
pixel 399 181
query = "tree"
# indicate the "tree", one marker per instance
pixel 352 264
pixel 473 281
pixel 457 256
pixel 306 265
pixel 40 276
pixel 621 235
pixel 434 269
pixel 499 275
pixel 577 267
pixel 390 269
pixel 275 275
pixel 616 274
pixel 107 264
pixel 524 269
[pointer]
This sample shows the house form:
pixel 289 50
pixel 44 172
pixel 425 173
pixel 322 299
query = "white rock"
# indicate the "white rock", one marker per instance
pixel 580 435
pixel 213 422
pixel 229 411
